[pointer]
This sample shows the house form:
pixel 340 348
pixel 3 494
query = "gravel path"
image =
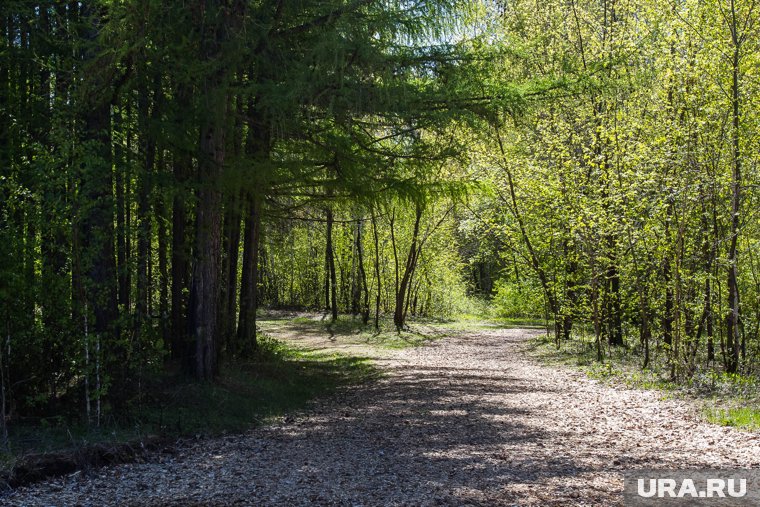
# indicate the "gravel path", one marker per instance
pixel 469 420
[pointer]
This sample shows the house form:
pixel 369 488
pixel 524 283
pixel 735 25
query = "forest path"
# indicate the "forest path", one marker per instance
pixel 467 420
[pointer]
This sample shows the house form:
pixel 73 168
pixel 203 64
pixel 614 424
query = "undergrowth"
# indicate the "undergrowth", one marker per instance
pixel 351 330
pixel 725 399
pixel 281 379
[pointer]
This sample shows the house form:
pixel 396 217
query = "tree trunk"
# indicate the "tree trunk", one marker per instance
pixel 411 264
pixel 667 318
pixel 378 278
pixel 356 280
pixel 615 333
pixel 144 215
pixel 163 266
pixel 249 283
pixel 571 296
pixel 231 250
pixel 122 251
pixel 257 149
pixel 219 21
pixel 533 257
pixel 232 221
pixel 204 289
pixel 97 221
pixel 180 266
pixel 54 300
pixel 732 319
pixel 331 295
pixel 362 272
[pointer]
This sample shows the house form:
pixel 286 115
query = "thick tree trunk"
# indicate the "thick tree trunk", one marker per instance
pixel 257 149
pixel 219 21
pixel 204 288
pixel 247 343
pixel 232 219
pixel 180 265
pixel 97 221
pixel 230 271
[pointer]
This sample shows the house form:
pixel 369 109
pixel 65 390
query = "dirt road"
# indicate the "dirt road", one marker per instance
pixel 468 420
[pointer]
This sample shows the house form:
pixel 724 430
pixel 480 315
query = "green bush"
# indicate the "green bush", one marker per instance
pixel 517 300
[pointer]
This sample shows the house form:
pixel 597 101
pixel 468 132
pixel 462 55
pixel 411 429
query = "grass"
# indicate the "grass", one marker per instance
pixel 352 331
pixel 281 380
pixel 476 321
pixel 747 418
pixel 725 399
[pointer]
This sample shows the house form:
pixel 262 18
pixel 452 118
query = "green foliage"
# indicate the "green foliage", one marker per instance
pixel 725 399
pixel 280 380
pixel 141 137
pixel 352 331
pixel 615 200
pixel 591 162
pixel 514 299
pixel 293 271
pixel 747 418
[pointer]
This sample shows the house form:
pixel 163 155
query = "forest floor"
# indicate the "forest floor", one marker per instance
pixel 468 419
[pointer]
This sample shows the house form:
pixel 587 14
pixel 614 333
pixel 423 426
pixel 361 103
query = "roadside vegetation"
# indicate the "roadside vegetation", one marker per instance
pixel 280 380
pixel 721 398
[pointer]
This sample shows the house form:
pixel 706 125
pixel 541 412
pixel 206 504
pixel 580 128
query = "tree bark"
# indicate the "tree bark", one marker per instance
pixel 97 221
pixel 732 319
pixel 205 279
pixel 219 21
pixel 144 215
pixel 163 266
pixel 182 209
pixel 378 278
pixel 232 221
pixel 180 265
pixel 356 281
pixel 247 341
pixel 331 289
pixel 362 271
pixel 411 263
